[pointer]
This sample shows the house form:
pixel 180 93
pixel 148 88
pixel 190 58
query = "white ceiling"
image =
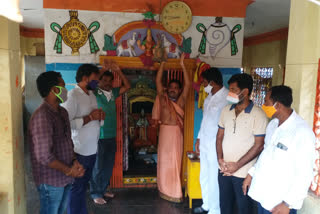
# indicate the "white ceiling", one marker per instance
pixel 266 16
pixel 262 15
pixel 32 12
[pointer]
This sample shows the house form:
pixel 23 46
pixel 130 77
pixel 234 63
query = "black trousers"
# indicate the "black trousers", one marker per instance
pixel 231 193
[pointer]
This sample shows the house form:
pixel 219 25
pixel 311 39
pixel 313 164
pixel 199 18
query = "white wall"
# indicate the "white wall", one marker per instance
pixel 111 21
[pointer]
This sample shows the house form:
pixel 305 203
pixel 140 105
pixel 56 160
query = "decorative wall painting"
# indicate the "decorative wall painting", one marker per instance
pixel 109 45
pixel 127 46
pixel 75 34
pixel 218 35
pixel 90 34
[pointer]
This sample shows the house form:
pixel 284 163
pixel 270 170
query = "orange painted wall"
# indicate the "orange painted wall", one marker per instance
pixel 277 35
pixel 31 32
pixel 226 8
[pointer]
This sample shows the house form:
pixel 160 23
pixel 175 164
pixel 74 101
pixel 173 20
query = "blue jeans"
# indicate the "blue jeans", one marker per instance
pixel 103 167
pixel 230 192
pixel 53 200
pixel 77 198
pixel 261 210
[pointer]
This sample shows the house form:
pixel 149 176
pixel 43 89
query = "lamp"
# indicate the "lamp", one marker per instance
pixel 10 10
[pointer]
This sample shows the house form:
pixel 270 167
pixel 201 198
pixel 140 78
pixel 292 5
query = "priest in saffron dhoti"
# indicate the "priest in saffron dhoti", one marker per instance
pixel 168 111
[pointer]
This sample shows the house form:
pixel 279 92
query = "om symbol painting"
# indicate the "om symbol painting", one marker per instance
pixel 75 34
pixel 218 35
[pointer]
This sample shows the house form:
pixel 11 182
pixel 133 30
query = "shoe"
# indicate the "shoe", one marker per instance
pixel 199 210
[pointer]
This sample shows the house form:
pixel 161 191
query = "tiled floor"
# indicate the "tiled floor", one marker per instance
pixel 140 201
pixel 127 201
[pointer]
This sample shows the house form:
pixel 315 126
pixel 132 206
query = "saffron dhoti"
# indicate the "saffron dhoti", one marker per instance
pixel 170 149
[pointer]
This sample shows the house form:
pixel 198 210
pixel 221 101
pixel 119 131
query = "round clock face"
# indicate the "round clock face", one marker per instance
pixel 176 17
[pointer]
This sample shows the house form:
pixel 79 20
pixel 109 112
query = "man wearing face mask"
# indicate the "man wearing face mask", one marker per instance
pixel 49 137
pixel 85 118
pixel 239 141
pixel 283 173
pixel 106 98
pixel 206 142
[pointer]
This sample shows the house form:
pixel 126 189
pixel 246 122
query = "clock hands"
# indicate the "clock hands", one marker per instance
pixel 173 17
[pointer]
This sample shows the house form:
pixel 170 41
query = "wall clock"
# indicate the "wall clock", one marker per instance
pixel 176 17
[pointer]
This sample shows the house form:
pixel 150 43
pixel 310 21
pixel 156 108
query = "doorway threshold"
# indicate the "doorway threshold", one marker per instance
pixel 139 180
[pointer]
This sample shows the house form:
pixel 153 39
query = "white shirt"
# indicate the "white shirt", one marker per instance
pixel 212 107
pixel 284 169
pixel 85 137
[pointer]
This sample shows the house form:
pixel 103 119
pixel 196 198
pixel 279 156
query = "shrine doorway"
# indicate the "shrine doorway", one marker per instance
pixel 140 136
pixel 136 156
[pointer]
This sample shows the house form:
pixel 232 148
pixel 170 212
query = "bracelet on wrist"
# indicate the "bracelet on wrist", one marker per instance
pixel 90 117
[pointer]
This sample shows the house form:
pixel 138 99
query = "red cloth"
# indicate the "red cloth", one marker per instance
pixel 146 60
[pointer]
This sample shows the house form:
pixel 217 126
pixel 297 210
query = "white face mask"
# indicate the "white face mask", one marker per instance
pixel 233 98
pixel 208 89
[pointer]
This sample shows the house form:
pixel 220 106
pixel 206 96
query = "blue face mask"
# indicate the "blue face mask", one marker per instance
pixel 92 85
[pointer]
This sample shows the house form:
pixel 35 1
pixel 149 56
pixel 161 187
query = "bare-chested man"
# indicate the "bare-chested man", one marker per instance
pixel 168 111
